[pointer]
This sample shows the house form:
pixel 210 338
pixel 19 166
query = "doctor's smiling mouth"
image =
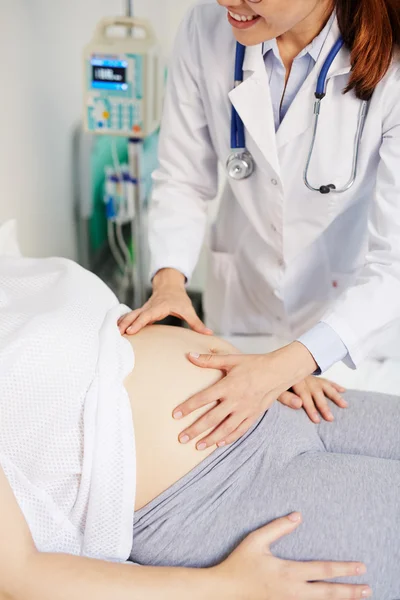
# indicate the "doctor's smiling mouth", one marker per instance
pixel 241 21
pixel 274 18
pixel 239 18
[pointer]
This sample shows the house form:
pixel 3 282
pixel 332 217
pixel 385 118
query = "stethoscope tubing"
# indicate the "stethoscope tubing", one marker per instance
pixel 321 83
pixel 238 137
pixel 357 141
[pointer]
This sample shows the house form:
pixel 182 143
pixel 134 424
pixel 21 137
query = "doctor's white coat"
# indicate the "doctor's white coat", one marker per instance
pixel 282 257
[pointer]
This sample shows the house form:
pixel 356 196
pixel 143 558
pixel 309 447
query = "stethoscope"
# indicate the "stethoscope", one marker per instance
pixel 240 164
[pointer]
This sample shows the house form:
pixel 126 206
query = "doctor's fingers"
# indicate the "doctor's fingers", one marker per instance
pixel 304 393
pixel 196 323
pixel 321 403
pixel 337 387
pixel 324 570
pixel 291 400
pixel 332 390
pixel 221 362
pixel 212 419
pixel 127 320
pixel 147 316
pixel 337 591
pixel 228 432
pixel 212 394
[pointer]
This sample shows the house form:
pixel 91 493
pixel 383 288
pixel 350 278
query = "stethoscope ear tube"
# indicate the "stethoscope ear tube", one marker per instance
pixel 239 61
pixel 321 83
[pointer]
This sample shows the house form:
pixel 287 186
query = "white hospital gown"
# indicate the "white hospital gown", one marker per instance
pixel 66 433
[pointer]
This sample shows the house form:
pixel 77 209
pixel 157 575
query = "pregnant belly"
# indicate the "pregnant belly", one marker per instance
pixel 163 378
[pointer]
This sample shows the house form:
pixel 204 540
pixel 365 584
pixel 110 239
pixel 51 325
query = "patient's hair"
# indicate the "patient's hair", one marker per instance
pixel 371 30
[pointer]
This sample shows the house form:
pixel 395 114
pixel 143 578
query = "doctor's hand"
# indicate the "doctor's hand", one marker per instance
pixel 169 298
pixel 250 386
pixel 312 394
pixel 255 574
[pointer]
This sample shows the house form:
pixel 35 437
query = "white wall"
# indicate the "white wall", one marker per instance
pixel 175 12
pixel 41 45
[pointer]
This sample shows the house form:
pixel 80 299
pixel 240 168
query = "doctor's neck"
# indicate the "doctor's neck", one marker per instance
pixel 294 40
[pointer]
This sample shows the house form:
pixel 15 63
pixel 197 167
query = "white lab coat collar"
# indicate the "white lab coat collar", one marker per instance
pixel 252 97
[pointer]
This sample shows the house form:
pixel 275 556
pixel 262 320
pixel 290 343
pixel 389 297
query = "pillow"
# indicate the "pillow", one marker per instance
pixel 8 239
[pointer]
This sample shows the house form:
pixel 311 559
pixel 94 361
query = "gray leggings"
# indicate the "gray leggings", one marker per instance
pixel 344 478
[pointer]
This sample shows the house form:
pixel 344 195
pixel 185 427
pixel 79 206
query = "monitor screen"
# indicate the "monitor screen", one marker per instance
pixel 109 74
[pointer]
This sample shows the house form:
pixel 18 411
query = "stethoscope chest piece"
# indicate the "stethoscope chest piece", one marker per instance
pixel 240 165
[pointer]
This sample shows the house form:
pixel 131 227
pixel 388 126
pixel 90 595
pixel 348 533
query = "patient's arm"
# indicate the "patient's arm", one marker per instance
pixel 26 574
pixel 250 573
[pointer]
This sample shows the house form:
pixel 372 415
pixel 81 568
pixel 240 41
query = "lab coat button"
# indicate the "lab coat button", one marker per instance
pixel 281 262
pixel 274 228
pixel 274 182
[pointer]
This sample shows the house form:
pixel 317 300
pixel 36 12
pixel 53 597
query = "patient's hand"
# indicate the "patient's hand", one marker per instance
pixel 257 575
pixel 311 394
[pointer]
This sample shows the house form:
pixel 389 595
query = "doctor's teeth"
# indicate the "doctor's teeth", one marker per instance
pixel 241 17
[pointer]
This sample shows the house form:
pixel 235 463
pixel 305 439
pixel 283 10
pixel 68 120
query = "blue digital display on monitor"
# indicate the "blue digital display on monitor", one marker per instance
pixel 109 74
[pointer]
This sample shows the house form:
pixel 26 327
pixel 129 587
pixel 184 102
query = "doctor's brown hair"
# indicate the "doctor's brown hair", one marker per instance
pixel 371 30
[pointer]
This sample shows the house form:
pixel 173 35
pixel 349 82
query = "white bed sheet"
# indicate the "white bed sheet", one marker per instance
pixel 372 375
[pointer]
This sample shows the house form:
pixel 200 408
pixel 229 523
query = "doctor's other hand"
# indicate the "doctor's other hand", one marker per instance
pixel 250 386
pixel 169 298
pixel 255 574
pixel 312 394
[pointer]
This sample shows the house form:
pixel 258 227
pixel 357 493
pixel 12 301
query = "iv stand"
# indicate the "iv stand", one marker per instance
pixel 135 148
pixel 129 8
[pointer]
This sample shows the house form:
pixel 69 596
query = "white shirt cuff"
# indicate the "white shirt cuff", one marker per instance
pixel 155 269
pixel 325 345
